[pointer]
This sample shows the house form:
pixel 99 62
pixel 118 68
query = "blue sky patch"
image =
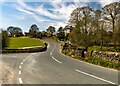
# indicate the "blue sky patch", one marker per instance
pixel 43 14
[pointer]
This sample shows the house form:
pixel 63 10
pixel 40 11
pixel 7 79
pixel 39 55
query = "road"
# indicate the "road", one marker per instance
pixel 52 67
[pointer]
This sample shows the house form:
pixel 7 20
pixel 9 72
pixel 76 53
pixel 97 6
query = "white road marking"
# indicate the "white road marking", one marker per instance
pixel 20 80
pixel 33 53
pixel 19 72
pixel 21 63
pixel 50 53
pixel 56 60
pixel 20 66
pixel 53 57
pixel 23 60
pixel 95 77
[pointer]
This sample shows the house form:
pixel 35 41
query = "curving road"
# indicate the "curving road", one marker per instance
pixel 52 67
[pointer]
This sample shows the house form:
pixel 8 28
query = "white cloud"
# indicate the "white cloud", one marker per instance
pixel 22 17
pixel 23 10
pixel 55 24
pixel 60 11
pixel 38 10
pixel 59 15
pixel 105 2
pixel 22 4
pixel 42 11
pixel 1 1
pixel 60 24
pixel 30 14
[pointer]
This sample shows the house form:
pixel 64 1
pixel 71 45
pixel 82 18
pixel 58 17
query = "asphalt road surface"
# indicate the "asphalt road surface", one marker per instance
pixel 52 67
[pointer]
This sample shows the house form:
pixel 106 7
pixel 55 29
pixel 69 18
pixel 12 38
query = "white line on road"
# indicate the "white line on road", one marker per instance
pixel 53 57
pixel 20 80
pixel 33 53
pixel 95 77
pixel 21 63
pixel 23 60
pixel 19 72
pixel 50 53
pixel 20 66
pixel 56 60
pixel 26 58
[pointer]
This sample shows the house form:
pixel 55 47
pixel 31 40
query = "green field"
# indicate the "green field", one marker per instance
pixel 104 49
pixel 24 42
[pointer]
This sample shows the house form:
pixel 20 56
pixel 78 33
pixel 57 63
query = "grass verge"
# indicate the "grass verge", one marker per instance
pixel 97 61
pixel 104 48
pixel 24 42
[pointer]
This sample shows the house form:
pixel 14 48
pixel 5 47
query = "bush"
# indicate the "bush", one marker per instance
pixel 5 39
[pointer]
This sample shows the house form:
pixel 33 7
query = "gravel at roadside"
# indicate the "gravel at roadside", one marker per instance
pixel 7 74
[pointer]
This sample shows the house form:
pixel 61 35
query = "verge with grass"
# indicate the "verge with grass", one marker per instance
pixel 104 48
pixel 96 61
pixel 24 42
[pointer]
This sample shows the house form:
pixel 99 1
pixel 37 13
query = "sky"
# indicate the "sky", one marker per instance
pixel 43 13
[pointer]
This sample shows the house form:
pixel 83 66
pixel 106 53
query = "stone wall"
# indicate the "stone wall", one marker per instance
pixel 110 57
pixel 26 50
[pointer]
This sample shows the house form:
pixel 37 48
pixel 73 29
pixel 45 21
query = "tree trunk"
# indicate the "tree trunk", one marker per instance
pixel 82 53
pixel 101 45
pixel 102 37
pixel 113 25
pixel 113 22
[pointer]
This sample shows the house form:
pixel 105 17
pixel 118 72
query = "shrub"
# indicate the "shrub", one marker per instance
pixel 5 39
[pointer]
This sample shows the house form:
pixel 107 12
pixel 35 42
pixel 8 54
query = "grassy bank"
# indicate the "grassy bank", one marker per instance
pixel 104 49
pixel 96 61
pixel 21 42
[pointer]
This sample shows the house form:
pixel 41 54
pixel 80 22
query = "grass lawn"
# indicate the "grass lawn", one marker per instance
pixel 24 42
pixel 97 48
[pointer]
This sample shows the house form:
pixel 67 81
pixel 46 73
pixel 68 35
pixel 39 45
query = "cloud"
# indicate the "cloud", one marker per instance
pixel 105 2
pixel 59 13
pixel 56 16
pixel 38 10
pixel 1 1
pixel 29 13
pixel 22 4
pixel 23 10
pixel 22 17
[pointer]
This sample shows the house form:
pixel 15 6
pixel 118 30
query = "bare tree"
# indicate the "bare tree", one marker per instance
pixel 112 10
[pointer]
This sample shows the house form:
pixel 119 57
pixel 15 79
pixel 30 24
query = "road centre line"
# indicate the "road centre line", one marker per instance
pixel 20 80
pixel 56 60
pixel 21 63
pixel 87 73
pixel 19 72
pixel 33 53
pixel 20 66
pixel 50 53
pixel 23 60
pixel 96 77
pixel 53 57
